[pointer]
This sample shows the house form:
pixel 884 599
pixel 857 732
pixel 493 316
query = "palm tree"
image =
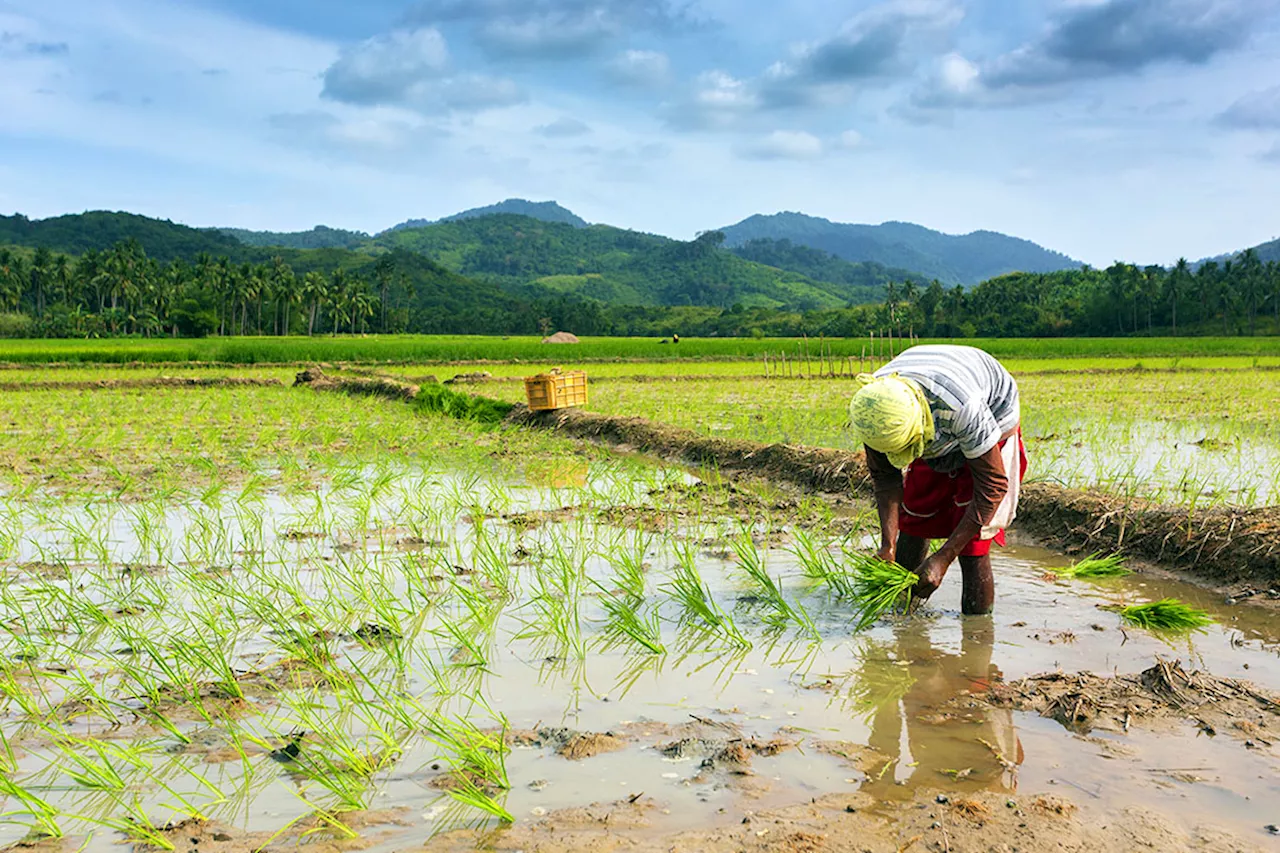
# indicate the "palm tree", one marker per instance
pixel 1152 277
pixel 1273 276
pixel 1252 287
pixel 1175 285
pixel 41 273
pixel 336 297
pixel 62 278
pixel 313 291
pixel 284 285
pixel 1206 287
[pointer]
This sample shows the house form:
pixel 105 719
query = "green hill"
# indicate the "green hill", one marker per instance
pixel 822 266
pixel 320 237
pixel 546 211
pixel 953 259
pixel 1269 251
pixel 619 266
pixel 99 230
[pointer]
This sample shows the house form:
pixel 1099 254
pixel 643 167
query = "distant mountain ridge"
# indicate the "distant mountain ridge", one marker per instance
pixel 324 237
pixel 953 259
pixel 320 237
pixel 1269 251
pixel 545 211
pixel 618 266
pixel 96 230
pixel 511 255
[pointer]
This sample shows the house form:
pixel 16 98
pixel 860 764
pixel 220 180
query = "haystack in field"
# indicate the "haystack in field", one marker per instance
pixel 561 338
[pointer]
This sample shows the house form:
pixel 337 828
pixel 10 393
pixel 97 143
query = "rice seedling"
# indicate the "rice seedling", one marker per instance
pixel 877 587
pixel 627 624
pixel 1095 566
pixel 43 816
pixel 629 566
pixel 1168 615
pixel 698 604
pixel 768 591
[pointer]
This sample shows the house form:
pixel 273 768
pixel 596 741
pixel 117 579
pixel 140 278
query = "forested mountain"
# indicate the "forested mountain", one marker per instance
pixel 1269 251
pixel 952 259
pixel 822 266
pixel 320 237
pixel 528 257
pixel 124 291
pixel 616 266
pixel 99 229
pixel 546 211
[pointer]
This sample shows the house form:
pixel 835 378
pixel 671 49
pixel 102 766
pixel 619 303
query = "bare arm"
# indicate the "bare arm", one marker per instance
pixel 887 481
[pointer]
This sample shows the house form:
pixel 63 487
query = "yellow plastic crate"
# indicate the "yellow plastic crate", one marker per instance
pixel 556 390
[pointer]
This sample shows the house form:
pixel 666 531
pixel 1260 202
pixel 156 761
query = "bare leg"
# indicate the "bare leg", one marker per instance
pixel 910 551
pixel 979 595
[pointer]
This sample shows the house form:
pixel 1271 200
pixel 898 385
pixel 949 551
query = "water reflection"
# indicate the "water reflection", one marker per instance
pixel 926 744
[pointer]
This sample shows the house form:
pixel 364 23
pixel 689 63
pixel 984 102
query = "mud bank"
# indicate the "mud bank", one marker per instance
pixel 1084 702
pixel 1221 544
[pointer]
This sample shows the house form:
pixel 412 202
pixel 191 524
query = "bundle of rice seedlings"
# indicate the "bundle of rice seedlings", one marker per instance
pixel 879 587
pixel 1096 566
pixel 1168 615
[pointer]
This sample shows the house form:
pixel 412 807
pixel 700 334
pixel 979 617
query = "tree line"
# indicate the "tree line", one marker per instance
pixel 123 292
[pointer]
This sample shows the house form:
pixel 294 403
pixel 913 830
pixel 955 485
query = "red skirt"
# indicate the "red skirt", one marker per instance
pixel 933 503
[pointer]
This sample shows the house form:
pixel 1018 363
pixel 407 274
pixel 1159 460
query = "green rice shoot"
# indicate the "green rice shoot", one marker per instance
pixel 1167 615
pixel 879 587
pixel 1096 566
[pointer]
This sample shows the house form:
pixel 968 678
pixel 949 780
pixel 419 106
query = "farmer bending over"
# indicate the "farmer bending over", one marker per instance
pixel 949 415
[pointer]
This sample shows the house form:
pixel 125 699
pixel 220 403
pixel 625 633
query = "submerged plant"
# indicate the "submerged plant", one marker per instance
pixel 1096 566
pixel 1167 615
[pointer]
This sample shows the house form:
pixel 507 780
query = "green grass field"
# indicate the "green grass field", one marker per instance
pixel 444 348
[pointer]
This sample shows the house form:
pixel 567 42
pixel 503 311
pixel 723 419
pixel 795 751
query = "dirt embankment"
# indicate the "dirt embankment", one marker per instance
pixel 1227 544
pixel 367 386
pixel 816 468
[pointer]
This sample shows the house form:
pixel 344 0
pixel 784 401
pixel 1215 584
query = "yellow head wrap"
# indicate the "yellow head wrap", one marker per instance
pixel 891 415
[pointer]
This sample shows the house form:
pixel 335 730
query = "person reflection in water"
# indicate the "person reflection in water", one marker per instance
pixel 963 749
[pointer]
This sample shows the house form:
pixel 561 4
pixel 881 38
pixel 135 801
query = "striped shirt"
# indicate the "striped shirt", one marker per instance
pixel 973 398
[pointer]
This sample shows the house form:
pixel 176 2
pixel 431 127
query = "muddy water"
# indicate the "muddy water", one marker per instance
pixel 875 698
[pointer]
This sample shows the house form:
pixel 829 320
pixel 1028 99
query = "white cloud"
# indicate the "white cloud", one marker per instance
pixel 850 140
pixel 641 68
pixel 475 92
pixel 563 127
pixel 784 145
pixel 957 75
pixel 385 69
pixel 718 101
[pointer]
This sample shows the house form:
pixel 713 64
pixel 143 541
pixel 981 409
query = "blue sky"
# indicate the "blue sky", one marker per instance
pixel 1134 129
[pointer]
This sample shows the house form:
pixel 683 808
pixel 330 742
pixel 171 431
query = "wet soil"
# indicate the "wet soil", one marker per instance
pixel 856 823
pixel 1165 692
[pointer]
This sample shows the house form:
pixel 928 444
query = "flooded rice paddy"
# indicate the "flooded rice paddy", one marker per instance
pixel 417 651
